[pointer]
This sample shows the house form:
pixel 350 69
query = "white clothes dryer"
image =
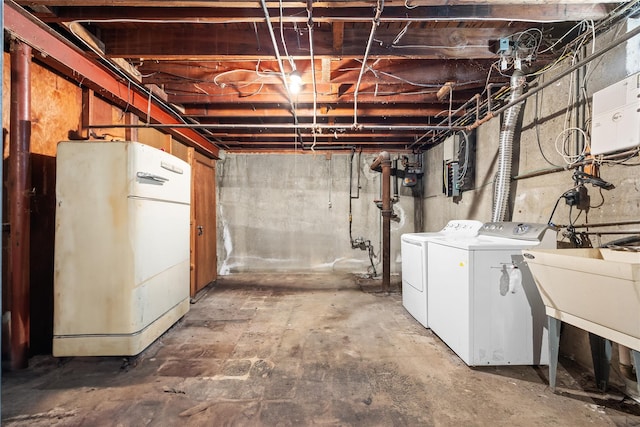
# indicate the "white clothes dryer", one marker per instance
pixel 414 264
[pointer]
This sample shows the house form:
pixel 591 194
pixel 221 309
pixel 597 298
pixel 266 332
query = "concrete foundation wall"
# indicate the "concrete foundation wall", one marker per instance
pixel 290 212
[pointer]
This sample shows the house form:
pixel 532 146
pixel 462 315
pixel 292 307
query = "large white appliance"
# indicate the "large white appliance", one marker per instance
pixel 483 302
pixel 414 264
pixel 121 247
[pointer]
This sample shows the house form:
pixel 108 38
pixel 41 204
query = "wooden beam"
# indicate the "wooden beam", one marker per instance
pixel 199 41
pixel 338 37
pixel 323 12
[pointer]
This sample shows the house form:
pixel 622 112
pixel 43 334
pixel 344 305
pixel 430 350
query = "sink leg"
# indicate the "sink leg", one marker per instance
pixel 636 364
pixel 554 347
pixel 601 355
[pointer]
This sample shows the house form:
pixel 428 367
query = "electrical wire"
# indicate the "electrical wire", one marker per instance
pixel 284 42
pixel 563 195
pixel 578 41
pixel 374 25
pixel 561 149
pixel 282 72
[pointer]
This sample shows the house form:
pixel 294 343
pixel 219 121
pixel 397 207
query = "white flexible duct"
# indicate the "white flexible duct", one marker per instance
pixel 505 158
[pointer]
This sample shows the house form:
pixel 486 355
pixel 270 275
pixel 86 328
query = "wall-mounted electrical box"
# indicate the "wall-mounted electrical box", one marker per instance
pixel 451 179
pixel 458 172
pixel 616 116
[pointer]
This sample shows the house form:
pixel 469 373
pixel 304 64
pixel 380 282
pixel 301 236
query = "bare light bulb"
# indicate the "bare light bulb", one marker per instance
pixel 295 82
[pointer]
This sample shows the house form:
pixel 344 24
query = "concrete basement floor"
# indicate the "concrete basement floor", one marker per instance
pixel 295 350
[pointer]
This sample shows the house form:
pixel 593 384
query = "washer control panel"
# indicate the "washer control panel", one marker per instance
pixel 514 230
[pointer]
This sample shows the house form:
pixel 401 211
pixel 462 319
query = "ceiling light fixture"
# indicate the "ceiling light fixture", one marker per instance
pixel 295 82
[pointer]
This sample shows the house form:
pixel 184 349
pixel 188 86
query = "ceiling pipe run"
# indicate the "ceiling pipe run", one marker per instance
pixel 308 126
pixel 384 161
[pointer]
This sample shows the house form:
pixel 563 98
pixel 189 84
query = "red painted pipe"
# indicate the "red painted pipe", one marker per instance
pixel 19 202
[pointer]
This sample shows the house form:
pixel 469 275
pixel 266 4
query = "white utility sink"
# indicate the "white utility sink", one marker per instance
pixel 597 290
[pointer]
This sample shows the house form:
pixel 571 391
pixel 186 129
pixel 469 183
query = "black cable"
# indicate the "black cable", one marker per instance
pixel 537 128
pixel 556 206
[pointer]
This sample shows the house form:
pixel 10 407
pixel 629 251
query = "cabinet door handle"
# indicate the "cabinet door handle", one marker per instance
pixel 152 177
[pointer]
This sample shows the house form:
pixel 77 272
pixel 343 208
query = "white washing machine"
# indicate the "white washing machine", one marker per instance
pixel 483 302
pixel 414 264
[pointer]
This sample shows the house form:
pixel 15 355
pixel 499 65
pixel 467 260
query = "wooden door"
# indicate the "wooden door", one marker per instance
pixel 203 222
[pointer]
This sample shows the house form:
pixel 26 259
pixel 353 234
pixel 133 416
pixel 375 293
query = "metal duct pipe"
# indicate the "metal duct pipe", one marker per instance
pixel 505 158
pixel 384 160
pixel 19 201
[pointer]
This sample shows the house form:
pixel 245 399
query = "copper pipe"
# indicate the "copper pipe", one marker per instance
pixel 19 202
pixel 384 160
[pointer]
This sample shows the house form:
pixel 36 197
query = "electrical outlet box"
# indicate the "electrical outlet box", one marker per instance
pixel 616 117
pixel 504 46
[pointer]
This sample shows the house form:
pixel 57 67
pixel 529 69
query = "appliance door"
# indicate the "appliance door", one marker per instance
pixel 414 289
pixel 413 257
pixel 159 236
pixel 159 210
pixel 448 272
pixel 154 174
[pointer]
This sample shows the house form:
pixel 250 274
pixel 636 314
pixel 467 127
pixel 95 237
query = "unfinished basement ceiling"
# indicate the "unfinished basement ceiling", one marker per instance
pixel 375 74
